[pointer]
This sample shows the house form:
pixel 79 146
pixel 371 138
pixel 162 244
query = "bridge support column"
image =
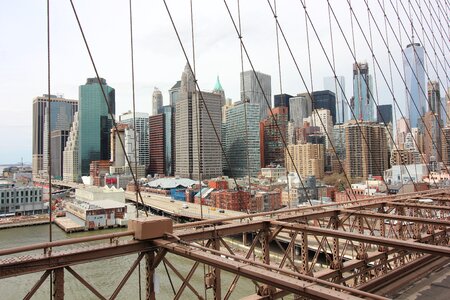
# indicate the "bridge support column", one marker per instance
pixel 336 263
pixel 150 273
pixel 265 290
pixel 58 284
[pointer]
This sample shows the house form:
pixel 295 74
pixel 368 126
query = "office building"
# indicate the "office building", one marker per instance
pixel 308 159
pixel 365 154
pixel 195 136
pixel 61 118
pixel 141 131
pixel 325 100
pixel 414 74
pixel 169 140
pixel 432 138
pixel 71 159
pixel 300 107
pixel 157 145
pixel 174 93
pixel 362 102
pixel 58 139
pixel 273 130
pixel 95 122
pixel 322 118
pixel 337 86
pixel 242 140
pixel 384 114
pixel 157 101
pixel 218 89
pixel 434 99
pixel 21 201
pixel 257 88
pixel 282 100
pixel 339 140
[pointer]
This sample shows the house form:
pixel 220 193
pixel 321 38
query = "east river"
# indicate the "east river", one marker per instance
pixel 105 275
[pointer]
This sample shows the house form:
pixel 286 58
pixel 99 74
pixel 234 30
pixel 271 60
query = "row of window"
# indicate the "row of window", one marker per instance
pixel 20 200
pixel 20 193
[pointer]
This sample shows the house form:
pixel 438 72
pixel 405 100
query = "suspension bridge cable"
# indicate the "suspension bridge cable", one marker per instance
pixel 310 96
pixel 246 102
pixel 136 185
pixel 199 91
pixel 404 82
pixel 382 73
pixel 351 109
pixel 282 95
pixel 266 100
pixel 49 147
pixel 105 98
pixel 369 90
pixel 432 44
pixel 379 67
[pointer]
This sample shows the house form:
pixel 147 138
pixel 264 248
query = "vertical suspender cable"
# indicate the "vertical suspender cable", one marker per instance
pixel 136 185
pixel 245 102
pixel 49 147
pixel 282 96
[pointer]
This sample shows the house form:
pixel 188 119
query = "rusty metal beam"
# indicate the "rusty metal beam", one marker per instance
pixel 149 275
pixel 42 246
pixel 85 283
pixel 37 285
pixel 182 278
pixel 297 284
pixel 127 276
pixel 407 245
pixel 30 264
pixel 363 213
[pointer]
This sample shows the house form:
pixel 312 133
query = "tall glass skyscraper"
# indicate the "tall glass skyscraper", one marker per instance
pixel 238 143
pixel 362 104
pixel 413 62
pixel 94 122
pixel 330 83
pixel 251 90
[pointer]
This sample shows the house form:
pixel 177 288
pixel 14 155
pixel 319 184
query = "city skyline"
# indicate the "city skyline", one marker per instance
pixel 217 54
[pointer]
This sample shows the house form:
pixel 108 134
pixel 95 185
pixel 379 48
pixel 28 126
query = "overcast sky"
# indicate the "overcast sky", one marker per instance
pixel 158 57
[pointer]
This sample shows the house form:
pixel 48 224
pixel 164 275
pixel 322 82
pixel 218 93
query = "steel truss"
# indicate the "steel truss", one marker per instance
pixel 341 251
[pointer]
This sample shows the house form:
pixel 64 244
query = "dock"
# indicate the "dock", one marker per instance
pixel 69 225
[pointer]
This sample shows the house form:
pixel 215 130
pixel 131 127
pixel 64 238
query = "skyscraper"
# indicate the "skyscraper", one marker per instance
pixel 239 142
pixel 195 136
pixel 434 99
pixel 218 89
pixel 384 114
pixel 94 122
pixel 337 86
pixel 71 159
pixel 141 131
pixel 174 93
pixel 413 68
pixel 169 140
pixel 274 130
pixel 325 100
pixel 62 114
pixel 300 107
pixel 363 104
pixel 157 101
pixel 365 153
pixel 282 100
pixel 156 135
pixel 251 89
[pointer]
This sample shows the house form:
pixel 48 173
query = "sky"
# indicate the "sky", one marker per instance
pixel 159 60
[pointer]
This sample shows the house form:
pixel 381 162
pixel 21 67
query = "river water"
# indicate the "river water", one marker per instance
pixel 104 275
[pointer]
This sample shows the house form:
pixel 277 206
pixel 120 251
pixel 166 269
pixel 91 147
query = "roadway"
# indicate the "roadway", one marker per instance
pixel 178 208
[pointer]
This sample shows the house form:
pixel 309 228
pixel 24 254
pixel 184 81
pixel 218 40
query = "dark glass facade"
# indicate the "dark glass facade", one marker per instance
pixel 325 99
